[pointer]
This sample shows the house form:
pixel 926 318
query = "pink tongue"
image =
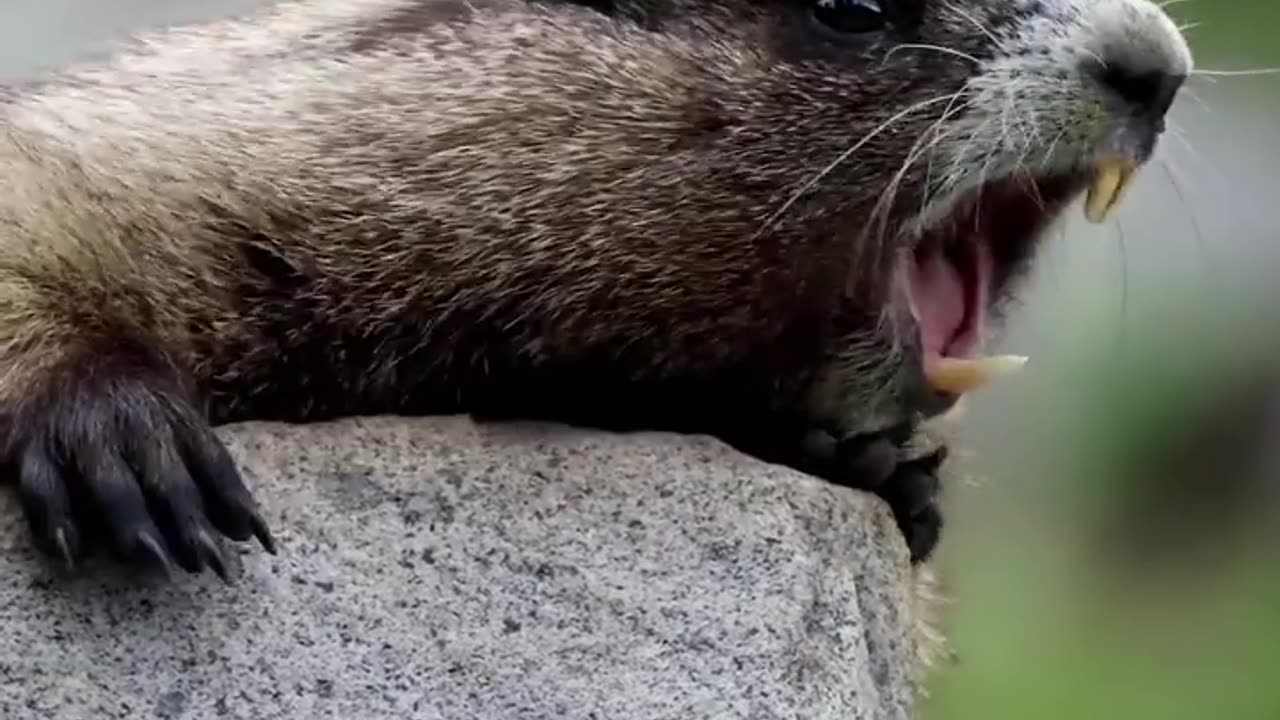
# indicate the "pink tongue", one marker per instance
pixel 938 297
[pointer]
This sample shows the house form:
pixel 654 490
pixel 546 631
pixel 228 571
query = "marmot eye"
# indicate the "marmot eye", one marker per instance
pixel 850 16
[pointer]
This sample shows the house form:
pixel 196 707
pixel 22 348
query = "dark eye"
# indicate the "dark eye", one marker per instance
pixel 850 16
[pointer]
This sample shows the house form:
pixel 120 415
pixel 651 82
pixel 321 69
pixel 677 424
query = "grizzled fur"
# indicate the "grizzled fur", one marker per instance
pixel 621 213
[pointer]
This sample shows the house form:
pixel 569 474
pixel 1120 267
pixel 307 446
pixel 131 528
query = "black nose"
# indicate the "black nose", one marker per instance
pixel 1151 92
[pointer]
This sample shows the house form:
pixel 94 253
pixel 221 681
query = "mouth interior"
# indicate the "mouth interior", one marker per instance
pixel 959 269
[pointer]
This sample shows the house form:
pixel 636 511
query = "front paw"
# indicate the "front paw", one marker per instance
pixel 881 463
pixel 119 456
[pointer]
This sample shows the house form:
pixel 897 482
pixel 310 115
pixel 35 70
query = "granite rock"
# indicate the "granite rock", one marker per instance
pixel 437 568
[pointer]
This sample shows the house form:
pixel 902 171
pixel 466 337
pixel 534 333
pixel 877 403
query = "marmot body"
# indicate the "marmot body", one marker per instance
pixel 734 217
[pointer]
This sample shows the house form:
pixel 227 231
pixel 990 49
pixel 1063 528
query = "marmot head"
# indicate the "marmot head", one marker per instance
pixel 930 141
pixel 890 162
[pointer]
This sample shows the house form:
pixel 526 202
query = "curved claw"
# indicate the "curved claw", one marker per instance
pixel 118 442
pixel 64 549
pixel 208 548
pixel 922 532
pixel 151 548
pixel 263 533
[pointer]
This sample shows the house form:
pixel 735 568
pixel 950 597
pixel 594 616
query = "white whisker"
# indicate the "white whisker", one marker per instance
pixel 1195 96
pixel 1096 58
pixel 884 204
pixel 1235 73
pixel 946 113
pixel 1048 153
pixel 956 173
pixel 1124 283
pixel 1172 173
pixel 977 23
pixel 936 48
pixel 915 153
pixel 1179 135
pixel 841 158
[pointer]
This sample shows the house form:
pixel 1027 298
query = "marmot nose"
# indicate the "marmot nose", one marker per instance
pixel 1150 92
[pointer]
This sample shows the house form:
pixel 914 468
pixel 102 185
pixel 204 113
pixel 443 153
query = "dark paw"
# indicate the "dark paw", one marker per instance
pixel 912 493
pixel 875 463
pixel 118 458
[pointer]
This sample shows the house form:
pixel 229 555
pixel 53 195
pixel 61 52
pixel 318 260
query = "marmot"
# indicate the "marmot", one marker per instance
pixel 789 224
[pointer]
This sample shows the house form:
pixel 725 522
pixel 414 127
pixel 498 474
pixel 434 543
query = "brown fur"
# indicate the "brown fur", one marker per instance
pixel 413 188
pixel 497 206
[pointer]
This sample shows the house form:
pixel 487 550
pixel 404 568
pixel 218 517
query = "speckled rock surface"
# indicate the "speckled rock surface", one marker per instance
pixel 442 569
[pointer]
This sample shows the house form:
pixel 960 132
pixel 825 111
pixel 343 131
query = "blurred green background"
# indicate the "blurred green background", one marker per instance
pixel 1114 550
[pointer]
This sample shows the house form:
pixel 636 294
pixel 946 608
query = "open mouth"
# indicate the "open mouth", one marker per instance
pixel 955 275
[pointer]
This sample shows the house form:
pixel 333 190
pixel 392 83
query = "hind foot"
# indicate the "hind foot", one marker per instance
pixel 109 450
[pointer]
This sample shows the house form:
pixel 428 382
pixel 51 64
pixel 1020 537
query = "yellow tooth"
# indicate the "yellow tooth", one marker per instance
pixel 957 376
pixel 1110 180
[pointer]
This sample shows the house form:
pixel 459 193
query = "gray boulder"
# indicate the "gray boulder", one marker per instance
pixel 437 568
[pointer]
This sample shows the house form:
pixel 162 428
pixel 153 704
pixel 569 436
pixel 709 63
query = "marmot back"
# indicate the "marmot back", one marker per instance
pixel 786 223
